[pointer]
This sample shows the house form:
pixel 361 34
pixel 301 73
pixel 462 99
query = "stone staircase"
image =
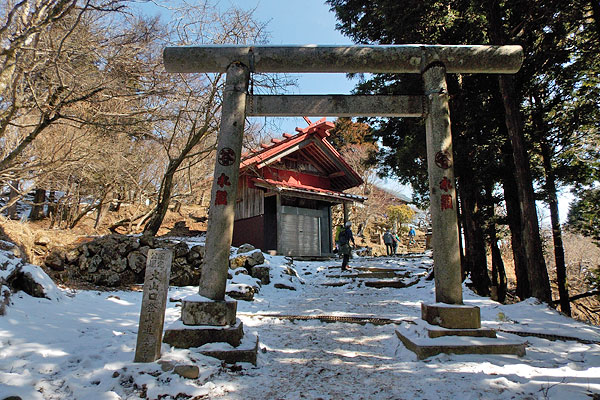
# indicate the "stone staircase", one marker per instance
pixel 378 277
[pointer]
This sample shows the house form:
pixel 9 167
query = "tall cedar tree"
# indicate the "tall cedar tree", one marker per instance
pixel 525 23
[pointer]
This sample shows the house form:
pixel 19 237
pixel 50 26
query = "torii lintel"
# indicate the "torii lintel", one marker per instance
pixel 410 58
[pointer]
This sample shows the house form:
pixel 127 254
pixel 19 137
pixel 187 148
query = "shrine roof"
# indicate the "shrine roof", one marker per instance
pixel 312 143
pixel 308 191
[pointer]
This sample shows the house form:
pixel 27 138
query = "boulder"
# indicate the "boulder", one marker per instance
pixel 94 263
pixel 19 279
pixel 284 286
pixel 262 272
pixel 255 258
pixel 238 262
pixel 240 270
pixel 199 248
pixel 246 247
pixel 4 298
pixel 241 292
pixel 147 240
pixel 42 240
pixel 112 279
pixel 72 256
pixel 180 250
pixel 136 261
pixel 118 264
pixel 55 261
pixel 247 260
pixel 187 371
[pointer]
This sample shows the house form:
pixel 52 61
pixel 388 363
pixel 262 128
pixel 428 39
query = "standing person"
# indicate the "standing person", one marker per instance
pixel 411 236
pixel 388 239
pixel 397 241
pixel 345 238
pixel 338 230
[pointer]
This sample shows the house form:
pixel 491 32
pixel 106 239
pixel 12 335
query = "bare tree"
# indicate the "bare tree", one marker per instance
pixel 189 135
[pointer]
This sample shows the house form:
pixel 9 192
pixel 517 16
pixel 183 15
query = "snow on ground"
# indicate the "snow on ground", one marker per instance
pixel 81 345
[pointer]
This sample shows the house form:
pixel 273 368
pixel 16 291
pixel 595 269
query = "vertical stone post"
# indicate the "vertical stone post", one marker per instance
pixel 224 189
pixel 154 301
pixel 446 251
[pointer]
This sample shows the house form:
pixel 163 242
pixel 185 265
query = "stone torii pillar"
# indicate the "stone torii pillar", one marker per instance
pixel 431 61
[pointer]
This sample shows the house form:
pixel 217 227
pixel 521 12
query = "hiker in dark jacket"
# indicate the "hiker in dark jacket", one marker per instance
pixel 388 239
pixel 345 238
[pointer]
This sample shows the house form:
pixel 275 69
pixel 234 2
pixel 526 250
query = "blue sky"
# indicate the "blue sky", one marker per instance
pixel 299 23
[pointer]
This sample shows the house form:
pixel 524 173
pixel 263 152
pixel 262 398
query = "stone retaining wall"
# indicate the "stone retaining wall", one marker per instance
pixel 119 260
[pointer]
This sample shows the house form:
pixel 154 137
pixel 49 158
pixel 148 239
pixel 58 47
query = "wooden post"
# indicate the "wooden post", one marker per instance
pixel 154 301
pixel 279 219
pixel 225 181
pixel 442 193
pixel 346 212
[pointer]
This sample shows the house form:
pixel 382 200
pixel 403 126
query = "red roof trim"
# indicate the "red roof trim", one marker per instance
pixel 320 129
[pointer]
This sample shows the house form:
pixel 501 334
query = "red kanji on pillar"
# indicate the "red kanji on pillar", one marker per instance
pixel 445 184
pixel 221 198
pixel 446 202
pixel 223 180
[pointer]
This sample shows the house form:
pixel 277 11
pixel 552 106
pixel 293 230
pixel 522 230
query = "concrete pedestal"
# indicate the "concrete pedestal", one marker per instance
pixel 455 328
pixel 212 327
pixel 197 310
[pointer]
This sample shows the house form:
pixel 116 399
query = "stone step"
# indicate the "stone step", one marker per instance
pixel 246 352
pixel 370 275
pixel 390 284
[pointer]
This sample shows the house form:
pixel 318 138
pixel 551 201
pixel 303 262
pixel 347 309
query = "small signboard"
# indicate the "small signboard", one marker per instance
pixel 154 301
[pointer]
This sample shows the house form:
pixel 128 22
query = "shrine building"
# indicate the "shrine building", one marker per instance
pixel 286 191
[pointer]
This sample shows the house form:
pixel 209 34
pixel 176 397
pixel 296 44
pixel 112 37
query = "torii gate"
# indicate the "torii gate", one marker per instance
pixel 431 61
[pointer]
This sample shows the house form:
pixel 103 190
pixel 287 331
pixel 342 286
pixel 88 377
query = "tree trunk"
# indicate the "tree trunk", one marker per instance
pixel 13 196
pixel 498 271
pixel 511 200
pixel 475 254
pixel 37 210
pixel 51 210
pixel 164 198
pixel 536 266
pixel 559 253
pixel 461 244
pixel 596 14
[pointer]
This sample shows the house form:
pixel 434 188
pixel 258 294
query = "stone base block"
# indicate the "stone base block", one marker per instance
pixel 451 316
pixel 184 336
pixel 198 310
pixel 245 352
pixel 416 338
